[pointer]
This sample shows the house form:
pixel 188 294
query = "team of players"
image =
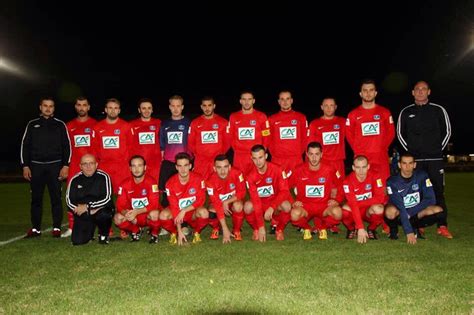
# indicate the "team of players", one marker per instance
pixel 168 151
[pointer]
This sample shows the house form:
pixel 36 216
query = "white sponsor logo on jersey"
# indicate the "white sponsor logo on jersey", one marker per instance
pixel 370 128
pixel 224 197
pixel 82 141
pixel 247 133
pixel 146 137
pixel 111 142
pixel 366 196
pixel 288 133
pixel 331 137
pixel 175 137
pixel 138 203
pixel 186 202
pixel 265 191
pixel 314 191
pixel 411 200
pixel 209 137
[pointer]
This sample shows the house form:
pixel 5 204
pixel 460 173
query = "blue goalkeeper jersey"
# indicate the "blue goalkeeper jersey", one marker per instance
pixel 410 195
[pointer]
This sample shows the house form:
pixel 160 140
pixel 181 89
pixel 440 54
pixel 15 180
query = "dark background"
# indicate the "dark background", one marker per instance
pixel 138 49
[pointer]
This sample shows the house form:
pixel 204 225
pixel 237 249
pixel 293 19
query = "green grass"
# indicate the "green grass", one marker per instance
pixel 336 276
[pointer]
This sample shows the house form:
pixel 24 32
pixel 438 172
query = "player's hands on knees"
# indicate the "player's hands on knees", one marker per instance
pixel 362 236
pixel 179 218
pixel 332 203
pixel 411 238
pixel 268 214
pixel 27 173
pixel 262 235
pixel 297 204
pixel 130 215
pixel 181 238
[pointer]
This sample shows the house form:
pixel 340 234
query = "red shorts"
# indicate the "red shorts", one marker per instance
pixel 314 209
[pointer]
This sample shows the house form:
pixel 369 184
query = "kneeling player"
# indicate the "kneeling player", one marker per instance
pixel 269 195
pixel 316 193
pixel 412 201
pixel 226 190
pixel 138 202
pixel 365 195
pixel 186 194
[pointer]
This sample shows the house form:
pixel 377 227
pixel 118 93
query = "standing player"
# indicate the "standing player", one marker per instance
pixel 226 190
pixel 187 194
pixel 138 202
pixel 288 129
pixel 112 142
pixel 365 195
pixel 370 130
pixel 269 195
pixel 146 137
pixel 80 132
pixel 207 138
pixel 424 130
pixel 412 201
pixel 316 193
pixel 247 128
pixel 173 139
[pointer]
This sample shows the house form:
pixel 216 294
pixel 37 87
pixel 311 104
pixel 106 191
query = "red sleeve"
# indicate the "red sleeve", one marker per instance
pixel 224 135
pixel 352 202
pixel 283 191
pixel 129 139
pixel 378 185
pixel 390 127
pixel 350 130
pixel 240 190
pixel 200 194
pixel 153 197
pixel 192 138
pixel 304 134
pixel 215 200
pixel 265 126
pixel 257 203
pixel 123 203
pixel 173 200
pixel 338 185
pixel 95 145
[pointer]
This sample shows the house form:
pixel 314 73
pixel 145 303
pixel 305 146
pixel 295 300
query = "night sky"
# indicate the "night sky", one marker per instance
pixel 101 50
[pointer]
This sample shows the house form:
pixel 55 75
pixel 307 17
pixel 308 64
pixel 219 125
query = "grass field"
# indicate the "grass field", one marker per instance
pixel 49 275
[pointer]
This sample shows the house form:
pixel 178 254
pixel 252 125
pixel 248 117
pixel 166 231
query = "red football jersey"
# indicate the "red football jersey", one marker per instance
pixel 220 190
pixel 363 194
pixel 270 188
pixel 247 130
pixel 330 133
pixel 80 136
pixel 136 196
pixel 370 130
pixel 112 142
pixel 190 194
pixel 288 130
pixel 146 138
pixel 208 137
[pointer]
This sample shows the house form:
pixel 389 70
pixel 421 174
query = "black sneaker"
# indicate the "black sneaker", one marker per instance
pixel 153 239
pixel 372 234
pixel 103 240
pixel 134 237
pixel 350 234
pixel 32 233
pixel 393 234
pixel 273 229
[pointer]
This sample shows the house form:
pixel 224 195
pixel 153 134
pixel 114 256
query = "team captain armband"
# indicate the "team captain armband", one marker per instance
pixel 265 133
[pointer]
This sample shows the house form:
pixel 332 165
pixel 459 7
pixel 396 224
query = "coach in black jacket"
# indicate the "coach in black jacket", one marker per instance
pixel 89 197
pixel 424 130
pixel 45 156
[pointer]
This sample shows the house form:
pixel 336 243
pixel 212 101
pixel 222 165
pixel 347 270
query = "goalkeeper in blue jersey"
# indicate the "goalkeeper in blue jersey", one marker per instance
pixel 412 201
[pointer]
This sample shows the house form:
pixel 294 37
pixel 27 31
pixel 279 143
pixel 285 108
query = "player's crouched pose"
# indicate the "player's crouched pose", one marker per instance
pixel 89 197
pixel 226 190
pixel 138 202
pixel 269 196
pixel 412 201
pixel 186 194
pixel 316 193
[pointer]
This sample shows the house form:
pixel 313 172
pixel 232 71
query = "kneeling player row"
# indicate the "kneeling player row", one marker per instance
pixel 316 188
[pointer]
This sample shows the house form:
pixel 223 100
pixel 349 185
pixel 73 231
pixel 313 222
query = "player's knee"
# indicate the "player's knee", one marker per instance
pixel 285 206
pixel 346 207
pixel 202 213
pixel 165 214
pixel 248 207
pixel 437 209
pixel 154 215
pixel 296 214
pixel 391 212
pixel 377 209
pixel 336 213
pixel 237 206
pixel 118 218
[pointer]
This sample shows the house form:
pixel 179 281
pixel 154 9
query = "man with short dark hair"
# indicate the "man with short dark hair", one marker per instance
pixel 45 157
pixel 89 198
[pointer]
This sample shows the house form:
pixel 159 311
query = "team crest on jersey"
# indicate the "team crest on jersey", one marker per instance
pixel 337 127
pixel 294 122
pixel 268 180
pixel 322 180
pixel 192 191
pixel 87 130
pixel 181 127
pixel 415 187
pixel 253 122
pixel 231 185
pixel 152 127
pixel 377 117
pixel 143 192
pixel 368 187
pixel 117 131
pixel 215 126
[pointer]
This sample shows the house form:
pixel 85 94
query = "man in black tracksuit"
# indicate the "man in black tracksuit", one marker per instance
pixel 89 197
pixel 424 130
pixel 45 156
